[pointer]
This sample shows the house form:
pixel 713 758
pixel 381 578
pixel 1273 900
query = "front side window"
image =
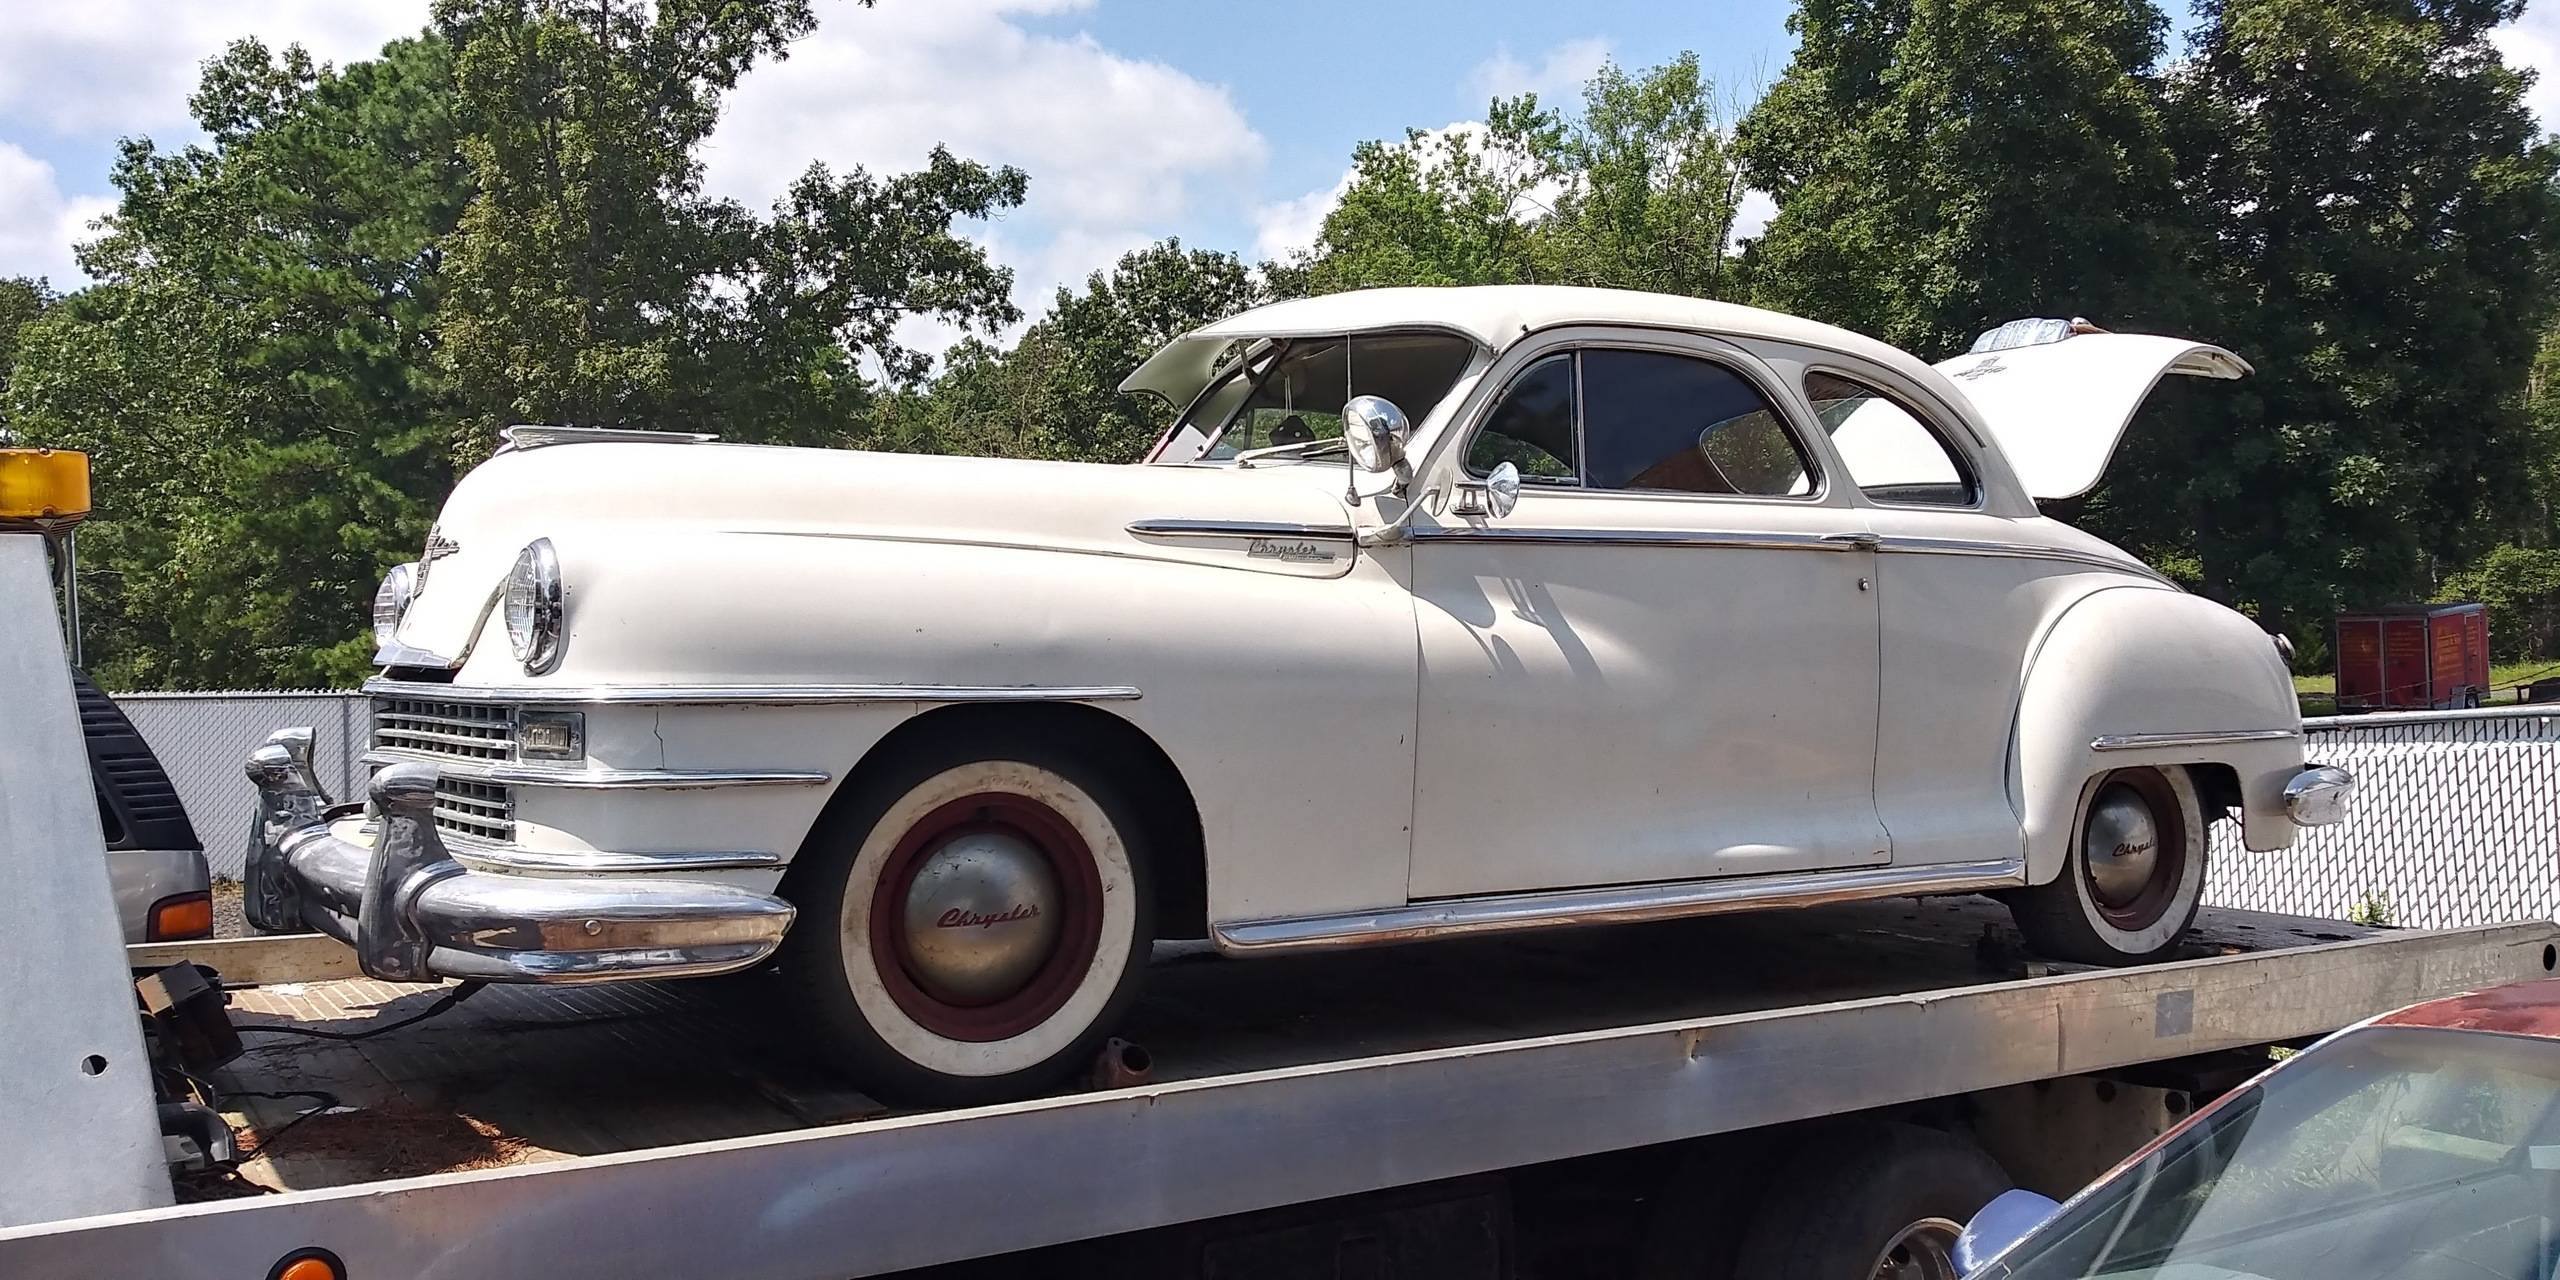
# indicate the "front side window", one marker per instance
pixel 1293 392
pixel 1892 454
pixel 1532 426
pixel 2392 1152
pixel 1642 421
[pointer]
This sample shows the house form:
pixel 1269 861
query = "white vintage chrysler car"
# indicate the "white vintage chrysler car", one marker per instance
pixel 1434 612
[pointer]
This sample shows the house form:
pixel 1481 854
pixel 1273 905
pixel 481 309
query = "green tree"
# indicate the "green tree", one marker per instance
pixel 1056 393
pixel 594 283
pixel 252 374
pixel 2380 206
pixel 1941 166
pixel 22 299
pixel 1638 190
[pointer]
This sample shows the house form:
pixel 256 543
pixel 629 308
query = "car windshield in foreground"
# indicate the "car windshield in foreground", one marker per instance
pixel 1292 391
pixel 2392 1153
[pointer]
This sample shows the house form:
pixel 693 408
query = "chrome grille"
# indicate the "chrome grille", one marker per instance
pixel 438 728
pixel 482 810
pixel 461 730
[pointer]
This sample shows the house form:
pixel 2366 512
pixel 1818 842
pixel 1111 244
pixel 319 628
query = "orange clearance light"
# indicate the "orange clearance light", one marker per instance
pixel 176 919
pixel 43 486
pixel 309 1264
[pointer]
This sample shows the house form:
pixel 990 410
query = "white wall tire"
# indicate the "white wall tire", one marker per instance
pixel 973 921
pixel 2115 902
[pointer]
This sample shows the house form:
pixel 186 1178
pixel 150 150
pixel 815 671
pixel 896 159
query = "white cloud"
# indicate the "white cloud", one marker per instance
pixel 2534 41
pixel 38 223
pixel 1120 150
pixel 1106 139
pixel 127 66
pixel 1558 75
pixel 1287 226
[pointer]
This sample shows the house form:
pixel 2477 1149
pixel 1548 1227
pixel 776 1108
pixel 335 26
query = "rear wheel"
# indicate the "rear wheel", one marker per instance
pixel 1883 1202
pixel 2134 878
pixel 973 921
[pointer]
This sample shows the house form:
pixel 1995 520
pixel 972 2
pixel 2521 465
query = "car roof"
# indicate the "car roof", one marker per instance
pixel 1499 314
pixel 2524 1009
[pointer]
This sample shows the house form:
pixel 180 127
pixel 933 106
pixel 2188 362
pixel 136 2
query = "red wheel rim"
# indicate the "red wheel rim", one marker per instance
pixel 1079 884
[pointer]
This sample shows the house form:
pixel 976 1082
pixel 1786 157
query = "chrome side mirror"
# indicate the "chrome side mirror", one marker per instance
pixel 1492 497
pixel 1376 431
pixel 2008 1219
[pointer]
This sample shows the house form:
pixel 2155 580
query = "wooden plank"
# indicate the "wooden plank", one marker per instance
pixel 251 962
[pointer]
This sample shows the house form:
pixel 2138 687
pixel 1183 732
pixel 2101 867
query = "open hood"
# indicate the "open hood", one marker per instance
pixel 2058 409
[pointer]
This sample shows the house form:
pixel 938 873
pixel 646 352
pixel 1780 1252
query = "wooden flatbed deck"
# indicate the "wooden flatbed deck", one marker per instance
pixel 522 1075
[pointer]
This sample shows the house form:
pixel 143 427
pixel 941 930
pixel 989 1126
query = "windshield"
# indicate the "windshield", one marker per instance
pixel 2392 1152
pixel 1291 391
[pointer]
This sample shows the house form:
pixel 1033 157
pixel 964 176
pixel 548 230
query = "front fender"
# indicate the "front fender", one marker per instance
pixel 2163 678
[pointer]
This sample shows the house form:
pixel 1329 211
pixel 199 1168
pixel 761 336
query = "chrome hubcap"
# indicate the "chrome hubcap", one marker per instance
pixel 1925 1250
pixel 980 918
pixel 2122 847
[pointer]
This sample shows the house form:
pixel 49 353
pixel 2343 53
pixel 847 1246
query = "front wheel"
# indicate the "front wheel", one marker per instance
pixel 972 921
pixel 2134 878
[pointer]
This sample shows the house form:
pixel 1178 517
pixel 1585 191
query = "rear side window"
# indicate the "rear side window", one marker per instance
pixel 1643 421
pixel 1892 453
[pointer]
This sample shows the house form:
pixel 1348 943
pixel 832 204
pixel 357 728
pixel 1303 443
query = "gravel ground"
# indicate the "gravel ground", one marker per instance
pixel 228 922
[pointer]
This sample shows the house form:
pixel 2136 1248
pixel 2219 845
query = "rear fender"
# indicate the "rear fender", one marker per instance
pixel 2136 675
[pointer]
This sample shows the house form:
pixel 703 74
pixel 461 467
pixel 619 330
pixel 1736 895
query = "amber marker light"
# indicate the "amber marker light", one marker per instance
pixel 180 917
pixel 43 488
pixel 309 1264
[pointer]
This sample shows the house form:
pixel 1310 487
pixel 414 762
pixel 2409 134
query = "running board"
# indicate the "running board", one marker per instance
pixel 1614 904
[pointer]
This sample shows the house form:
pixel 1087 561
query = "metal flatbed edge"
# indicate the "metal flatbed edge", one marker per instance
pixel 913 1191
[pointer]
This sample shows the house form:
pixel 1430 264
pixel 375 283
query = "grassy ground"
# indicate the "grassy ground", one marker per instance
pixel 2319 693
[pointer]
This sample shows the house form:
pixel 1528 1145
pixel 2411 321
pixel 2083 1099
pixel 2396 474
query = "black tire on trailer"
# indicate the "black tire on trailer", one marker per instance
pixel 1880 1201
pixel 2130 886
pixel 974 917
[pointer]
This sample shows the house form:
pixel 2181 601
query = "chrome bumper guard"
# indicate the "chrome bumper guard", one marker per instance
pixel 2317 796
pixel 413 914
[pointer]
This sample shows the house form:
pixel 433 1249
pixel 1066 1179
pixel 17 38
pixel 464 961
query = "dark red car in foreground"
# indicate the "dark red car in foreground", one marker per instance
pixel 2424 1145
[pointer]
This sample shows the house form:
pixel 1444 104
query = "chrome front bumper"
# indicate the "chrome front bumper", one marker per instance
pixel 2317 796
pixel 413 914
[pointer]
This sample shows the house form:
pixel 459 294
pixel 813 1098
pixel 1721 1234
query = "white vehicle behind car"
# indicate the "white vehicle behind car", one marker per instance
pixel 1435 612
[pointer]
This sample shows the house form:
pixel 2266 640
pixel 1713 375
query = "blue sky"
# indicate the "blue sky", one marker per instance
pixel 1228 125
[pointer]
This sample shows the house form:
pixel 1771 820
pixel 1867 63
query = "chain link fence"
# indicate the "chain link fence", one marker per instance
pixel 203 739
pixel 2455 819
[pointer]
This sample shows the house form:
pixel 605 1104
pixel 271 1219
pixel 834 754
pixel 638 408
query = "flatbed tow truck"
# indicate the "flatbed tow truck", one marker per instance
pixel 1625 1101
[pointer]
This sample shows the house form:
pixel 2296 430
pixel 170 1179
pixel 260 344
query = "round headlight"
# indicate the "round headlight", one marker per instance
pixel 533 607
pixel 391 600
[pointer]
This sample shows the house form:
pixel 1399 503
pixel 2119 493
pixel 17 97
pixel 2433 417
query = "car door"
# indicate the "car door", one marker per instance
pixel 1662 665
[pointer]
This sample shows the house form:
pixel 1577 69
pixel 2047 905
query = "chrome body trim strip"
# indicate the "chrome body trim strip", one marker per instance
pixel 2209 738
pixel 1906 545
pixel 507 857
pixel 396 654
pixel 742 695
pixel 1645 538
pixel 592 778
pixel 2317 796
pixel 414 913
pixel 1615 904
pixel 1236 529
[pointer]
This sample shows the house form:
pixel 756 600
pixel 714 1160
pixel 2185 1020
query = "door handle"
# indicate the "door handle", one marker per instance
pixel 1854 541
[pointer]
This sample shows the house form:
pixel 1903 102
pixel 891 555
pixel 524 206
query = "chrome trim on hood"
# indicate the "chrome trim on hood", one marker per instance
pixel 744 695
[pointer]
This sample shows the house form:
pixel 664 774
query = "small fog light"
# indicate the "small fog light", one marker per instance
pixel 552 735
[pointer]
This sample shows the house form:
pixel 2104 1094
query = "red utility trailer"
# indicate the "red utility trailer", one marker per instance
pixel 2409 657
